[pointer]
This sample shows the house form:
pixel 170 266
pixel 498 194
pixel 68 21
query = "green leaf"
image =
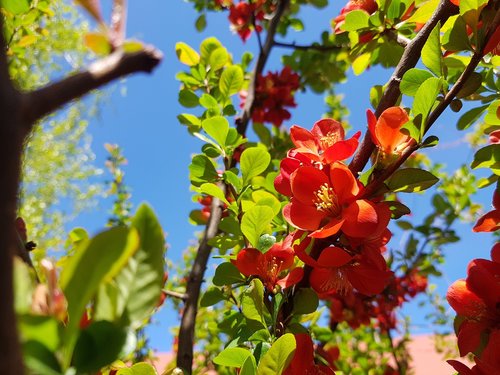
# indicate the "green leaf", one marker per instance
pixel 98 346
pixel 231 178
pixel 213 190
pixel 231 80
pixel 277 359
pixel 43 329
pixel 209 102
pixel 412 80
pixel 99 259
pixel 186 54
pixel 232 357
pixel 409 180
pixel 430 141
pixel 252 302
pixel 23 287
pixel 201 22
pixel 140 282
pixel 361 62
pixel 432 56
pixel 212 296
pixel 255 222
pixel 208 46
pixel 425 97
pixel 493 115
pixel 424 12
pixel 355 20
pixel 188 98
pixel 202 170
pixel 398 209
pixel 253 162
pixel 470 11
pixel 15 6
pixel 39 360
pixel 216 127
pixel 189 119
pixel 455 38
pixel 305 301
pixel 227 274
pixel 249 367
pixel 487 157
pixel 141 368
pixel 470 117
pixel 218 58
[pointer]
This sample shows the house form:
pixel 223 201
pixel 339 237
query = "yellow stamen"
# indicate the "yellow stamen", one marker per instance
pixel 326 200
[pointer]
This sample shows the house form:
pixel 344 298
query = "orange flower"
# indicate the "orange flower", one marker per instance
pixel 386 131
pixel 490 222
pixel 325 142
pixel 269 266
pixel 325 202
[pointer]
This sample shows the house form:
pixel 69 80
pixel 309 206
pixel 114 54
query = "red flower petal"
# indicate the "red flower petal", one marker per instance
pixel 495 253
pixel 305 181
pixel 328 127
pixel 469 337
pixel 464 301
pixel 361 219
pixel 488 223
pixel 292 278
pixel 334 257
pixel 302 216
pixel 328 230
pixel 367 279
pixel 248 261
pixel 459 366
pixel 343 182
pixel 304 140
pixel 342 149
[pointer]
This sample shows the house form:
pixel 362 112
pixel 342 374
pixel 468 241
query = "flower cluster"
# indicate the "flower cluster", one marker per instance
pixel 245 17
pixel 357 309
pixel 476 301
pixel 274 92
pixel 340 234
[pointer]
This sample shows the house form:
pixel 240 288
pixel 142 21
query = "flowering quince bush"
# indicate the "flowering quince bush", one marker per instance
pixel 297 220
pixel 300 225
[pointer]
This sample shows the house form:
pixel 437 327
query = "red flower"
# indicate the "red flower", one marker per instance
pixel 288 165
pixel 269 266
pixel 477 301
pixel 489 361
pixel 303 359
pixel 368 6
pixel 326 203
pixel 386 131
pixel 274 92
pixel 240 16
pixel 325 142
pixel 490 222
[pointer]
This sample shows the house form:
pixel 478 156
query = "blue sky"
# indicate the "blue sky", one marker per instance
pixel 143 122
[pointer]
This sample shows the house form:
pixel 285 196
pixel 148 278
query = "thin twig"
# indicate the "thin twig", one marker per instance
pixel 317 47
pixel 171 293
pixel 391 94
pixel 242 122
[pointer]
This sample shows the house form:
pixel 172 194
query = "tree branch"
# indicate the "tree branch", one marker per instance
pixel 187 328
pixel 391 94
pixel 47 99
pixel 242 122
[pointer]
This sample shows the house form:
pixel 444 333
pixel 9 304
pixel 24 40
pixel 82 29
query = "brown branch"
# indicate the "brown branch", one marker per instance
pixel 187 328
pixel 316 47
pixel 391 94
pixel 242 122
pixel 178 295
pixel 459 84
pixel 49 98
